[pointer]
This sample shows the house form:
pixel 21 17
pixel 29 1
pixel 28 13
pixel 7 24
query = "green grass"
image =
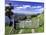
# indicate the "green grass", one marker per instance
pixel 26 31
pixel 39 29
pixel 41 23
pixel 7 30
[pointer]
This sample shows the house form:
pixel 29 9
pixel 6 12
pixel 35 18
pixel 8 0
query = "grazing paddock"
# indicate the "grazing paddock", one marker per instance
pixel 21 31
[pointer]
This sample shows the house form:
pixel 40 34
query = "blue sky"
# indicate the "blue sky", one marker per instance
pixel 26 7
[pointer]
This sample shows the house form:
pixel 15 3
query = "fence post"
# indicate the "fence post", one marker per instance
pixel 33 30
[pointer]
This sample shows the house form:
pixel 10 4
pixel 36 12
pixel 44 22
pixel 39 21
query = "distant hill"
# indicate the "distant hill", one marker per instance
pixel 19 14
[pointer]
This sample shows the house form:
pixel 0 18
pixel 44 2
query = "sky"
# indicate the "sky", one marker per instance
pixel 29 0
pixel 24 7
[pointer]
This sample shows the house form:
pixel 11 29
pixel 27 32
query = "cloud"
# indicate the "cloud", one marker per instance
pixel 24 12
pixel 19 7
pixel 7 5
pixel 36 6
pixel 38 10
pixel 29 12
pixel 24 6
pixel 29 7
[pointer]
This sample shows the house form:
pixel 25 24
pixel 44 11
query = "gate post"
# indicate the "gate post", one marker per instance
pixel 33 30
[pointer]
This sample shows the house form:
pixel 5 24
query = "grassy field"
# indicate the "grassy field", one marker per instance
pixel 7 30
pixel 39 29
